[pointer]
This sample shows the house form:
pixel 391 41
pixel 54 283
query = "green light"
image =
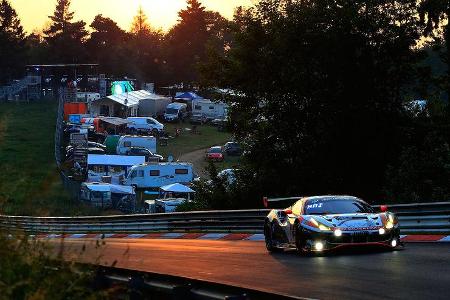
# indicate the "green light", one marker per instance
pixel 119 87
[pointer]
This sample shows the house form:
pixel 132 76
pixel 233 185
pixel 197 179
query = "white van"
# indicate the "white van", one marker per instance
pixel 127 141
pixel 210 110
pixel 175 112
pixel 146 124
pixel 155 175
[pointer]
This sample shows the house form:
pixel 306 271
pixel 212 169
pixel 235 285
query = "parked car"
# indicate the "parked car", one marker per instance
pixel 176 112
pixel 198 119
pixel 232 149
pixel 90 150
pixel 140 151
pixel 90 145
pixel 127 141
pixel 145 124
pixel 215 154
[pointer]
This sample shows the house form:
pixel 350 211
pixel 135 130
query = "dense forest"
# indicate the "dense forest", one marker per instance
pixel 322 95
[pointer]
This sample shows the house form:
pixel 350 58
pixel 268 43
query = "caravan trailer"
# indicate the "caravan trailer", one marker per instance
pixel 209 110
pixel 155 175
pixel 127 141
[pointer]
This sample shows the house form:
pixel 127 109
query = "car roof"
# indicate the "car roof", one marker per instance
pixel 330 197
pixel 216 147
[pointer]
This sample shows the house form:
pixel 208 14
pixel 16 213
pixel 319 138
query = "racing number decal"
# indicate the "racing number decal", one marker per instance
pixel 315 205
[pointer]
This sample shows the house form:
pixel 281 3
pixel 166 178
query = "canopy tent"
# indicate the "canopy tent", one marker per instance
pixel 106 187
pixel 177 188
pixel 129 99
pixel 189 96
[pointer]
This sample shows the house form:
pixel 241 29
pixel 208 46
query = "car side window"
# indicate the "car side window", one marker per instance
pixel 297 208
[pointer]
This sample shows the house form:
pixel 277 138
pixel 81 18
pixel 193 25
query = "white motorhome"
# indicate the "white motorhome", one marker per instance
pixel 145 124
pixel 155 175
pixel 210 110
pixel 175 112
pixel 127 141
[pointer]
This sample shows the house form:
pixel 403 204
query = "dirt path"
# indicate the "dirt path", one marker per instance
pixel 197 158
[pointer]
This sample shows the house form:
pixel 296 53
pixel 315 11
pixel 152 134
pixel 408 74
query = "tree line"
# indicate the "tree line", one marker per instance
pixel 142 52
pixel 326 104
pixel 322 90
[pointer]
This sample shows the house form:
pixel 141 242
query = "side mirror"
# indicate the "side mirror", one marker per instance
pixel 288 211
pixel 265 202
pixel 383 208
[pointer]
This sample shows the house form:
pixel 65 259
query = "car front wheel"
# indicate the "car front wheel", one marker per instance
pixel 300 243
pixel 268 237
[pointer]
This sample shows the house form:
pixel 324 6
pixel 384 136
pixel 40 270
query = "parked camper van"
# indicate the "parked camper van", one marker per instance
pixel 176 112
pixel 155 175
pixel 145 124
pixel 209 110
pixel 128 141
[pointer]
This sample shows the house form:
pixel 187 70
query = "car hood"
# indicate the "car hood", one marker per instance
pixel 351 221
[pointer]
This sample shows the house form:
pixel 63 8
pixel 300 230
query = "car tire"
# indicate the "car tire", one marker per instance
pixel 300 241
pixel 269 239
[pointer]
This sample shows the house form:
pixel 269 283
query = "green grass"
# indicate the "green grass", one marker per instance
pixel 187 142
pixel 29 180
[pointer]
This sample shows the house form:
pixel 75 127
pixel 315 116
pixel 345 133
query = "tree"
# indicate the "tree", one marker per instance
pixel 145 49
pixel 433 14
pixel 140 25
pixel 107 46
pixel 65 38
pixel 187 42
pixel 12 43
pixel 321 87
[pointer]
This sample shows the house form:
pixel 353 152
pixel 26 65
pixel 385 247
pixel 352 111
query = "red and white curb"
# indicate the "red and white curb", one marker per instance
pixel 212 236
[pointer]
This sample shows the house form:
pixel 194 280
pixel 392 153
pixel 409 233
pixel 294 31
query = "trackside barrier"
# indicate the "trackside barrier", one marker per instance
pixel 143 285
pixel 418 218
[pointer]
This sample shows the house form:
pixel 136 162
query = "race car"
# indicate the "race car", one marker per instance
pixel 322 223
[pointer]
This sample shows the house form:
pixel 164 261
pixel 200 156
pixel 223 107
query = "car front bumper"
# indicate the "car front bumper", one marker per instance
pixel 330 241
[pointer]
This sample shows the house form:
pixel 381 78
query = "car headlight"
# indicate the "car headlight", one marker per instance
pixel 319 225
pixel 390 222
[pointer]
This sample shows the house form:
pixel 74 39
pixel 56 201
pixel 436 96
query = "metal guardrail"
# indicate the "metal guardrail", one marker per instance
pixel 425 218
pixel 144 285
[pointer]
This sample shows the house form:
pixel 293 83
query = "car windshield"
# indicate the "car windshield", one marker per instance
pixel 171 111
pixel 215 150
pixel 338 206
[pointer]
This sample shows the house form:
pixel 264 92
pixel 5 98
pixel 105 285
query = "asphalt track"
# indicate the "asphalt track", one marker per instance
pixel 420 271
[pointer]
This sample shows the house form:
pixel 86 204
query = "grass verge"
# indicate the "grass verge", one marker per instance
pixel 29 180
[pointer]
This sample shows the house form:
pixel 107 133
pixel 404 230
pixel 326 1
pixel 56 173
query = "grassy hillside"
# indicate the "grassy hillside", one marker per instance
pixel 29 181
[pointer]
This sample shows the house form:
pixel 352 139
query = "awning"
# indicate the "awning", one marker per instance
pixel 177 188
pixel 115 160
pixel 106 187
pixel 114 121
pixel 122 189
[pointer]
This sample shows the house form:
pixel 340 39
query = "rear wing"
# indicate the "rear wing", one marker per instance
pixel 287 201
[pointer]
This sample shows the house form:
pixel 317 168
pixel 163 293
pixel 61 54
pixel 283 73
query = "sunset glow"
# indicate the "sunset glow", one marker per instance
pixel 162 14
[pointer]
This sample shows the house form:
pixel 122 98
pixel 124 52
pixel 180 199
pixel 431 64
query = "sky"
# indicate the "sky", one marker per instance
pixel 162 14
